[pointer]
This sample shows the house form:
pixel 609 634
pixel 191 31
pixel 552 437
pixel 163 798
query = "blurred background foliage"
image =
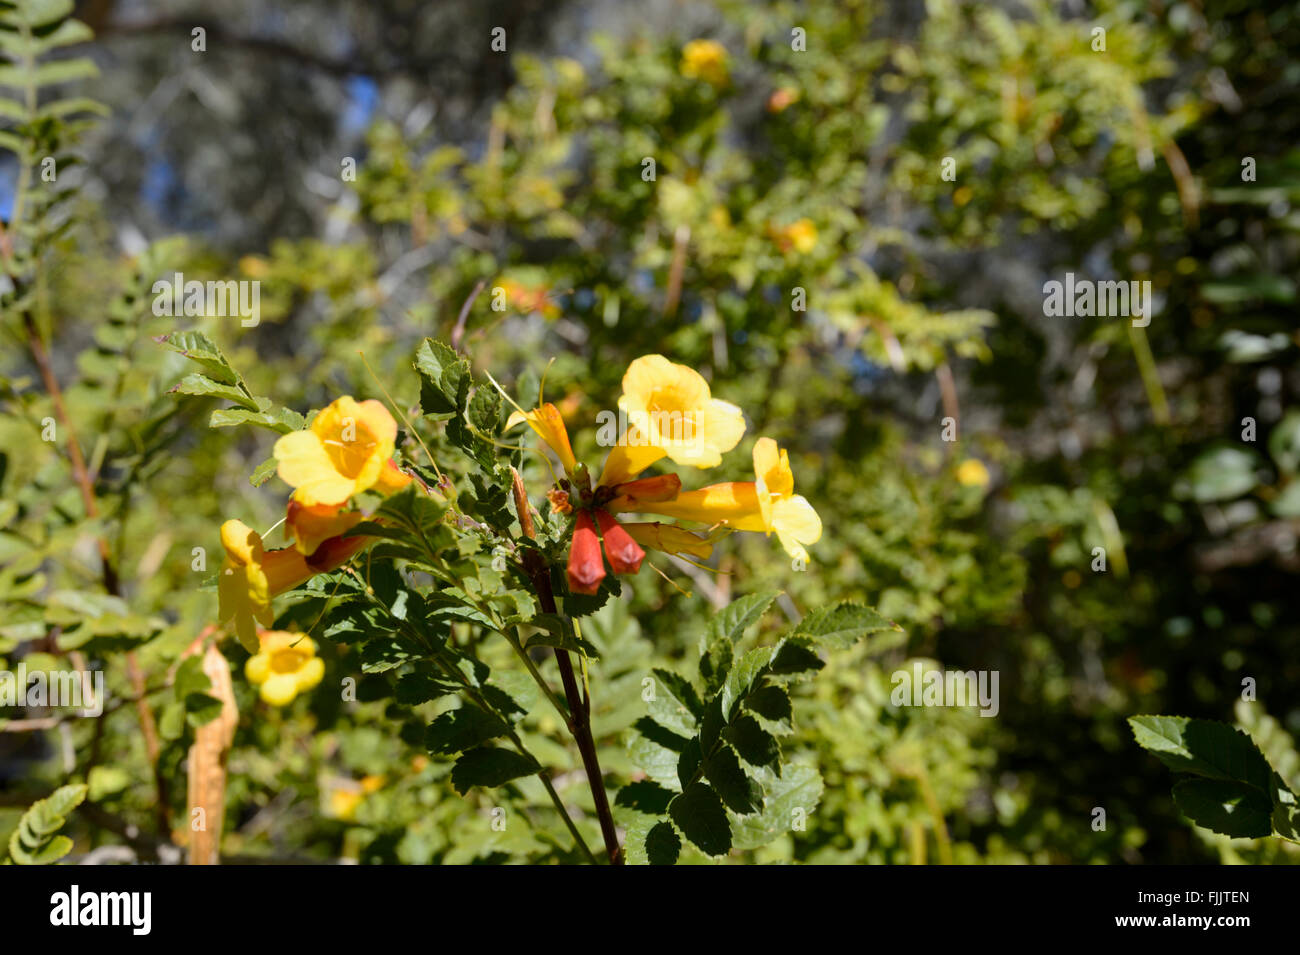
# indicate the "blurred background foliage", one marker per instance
pixel 778 218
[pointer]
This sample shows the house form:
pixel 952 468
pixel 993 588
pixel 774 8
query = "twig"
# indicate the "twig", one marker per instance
pixel 459 330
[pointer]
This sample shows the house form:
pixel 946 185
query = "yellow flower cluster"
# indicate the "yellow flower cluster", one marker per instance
pixel 671 413
pixel 347 450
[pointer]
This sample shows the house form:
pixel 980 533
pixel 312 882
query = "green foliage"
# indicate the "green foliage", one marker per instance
pixel 711 744
pixel 1234 791
pixel 37 840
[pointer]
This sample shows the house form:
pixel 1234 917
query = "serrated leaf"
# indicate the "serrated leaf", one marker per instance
pixel 701 818
pixel 662 844
pixel 755 745
pixel 738 792
pixel 842 625
pixel 461 729
pixel 444 378
pixel 280 420
pixel 772 703
pixel 201 386
pixel 490 766
pixel 1203 748
pixel 1228 808
pixel 200 349
pixel 790 799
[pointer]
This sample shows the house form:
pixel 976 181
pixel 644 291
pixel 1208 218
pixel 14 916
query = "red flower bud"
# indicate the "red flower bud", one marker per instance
pixel 586 568
pixel 625 554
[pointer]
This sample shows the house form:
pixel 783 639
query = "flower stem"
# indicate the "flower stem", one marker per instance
pixel 579 709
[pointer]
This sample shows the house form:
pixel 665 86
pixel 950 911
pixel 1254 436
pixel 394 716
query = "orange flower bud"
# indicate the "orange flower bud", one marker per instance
pixel 625 554
pixel 586 568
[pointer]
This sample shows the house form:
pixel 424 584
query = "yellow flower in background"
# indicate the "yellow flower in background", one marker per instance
pixel 705 60
pixel 672 414
pixel 343 803
pixel 548 424
pixel 972 473
pixel 284 665
pixel 344 452
pixel 800 236
pixel 250 576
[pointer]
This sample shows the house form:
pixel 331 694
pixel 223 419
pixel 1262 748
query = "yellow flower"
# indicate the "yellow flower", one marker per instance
pixel 972 473
pixel 705 60
pixel 284 666
pixel 251 576
pixel 548 424
pixel 343 803
pixel 312 525
pixel 787 513
pixel 344 452
pixel 672 413
pixel 766 504
pixel 800 236
pixel 670 539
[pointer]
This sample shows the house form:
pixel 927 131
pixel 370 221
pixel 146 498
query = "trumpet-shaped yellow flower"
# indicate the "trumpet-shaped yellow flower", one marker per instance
pixel 789 514
pixel 705 60
pixel 310 525
pixel 670 539
pixel 344 452
pixel 548 424
pixel 766 504
pixel 284 665
pixel 251 576
pixel 672 414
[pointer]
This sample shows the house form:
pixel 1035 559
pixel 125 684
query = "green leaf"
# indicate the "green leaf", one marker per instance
pixel 461 729
pixel 755 745
pixel 789 801
pixel 662 844
pixel 794 656
pixel 701 818
pixel 263 472
pixel 200 349
pixel 738 792
pixel 744 677
pixel 1219 474
pixel 1229 808
pixel 490 766
pixel 772 703
pixel 281 420
pixel 444 378
pixel 646 797
pixel 1203 748
pixel 1284 442
pixel 202 386
pixel 34 842
pixel 842 625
